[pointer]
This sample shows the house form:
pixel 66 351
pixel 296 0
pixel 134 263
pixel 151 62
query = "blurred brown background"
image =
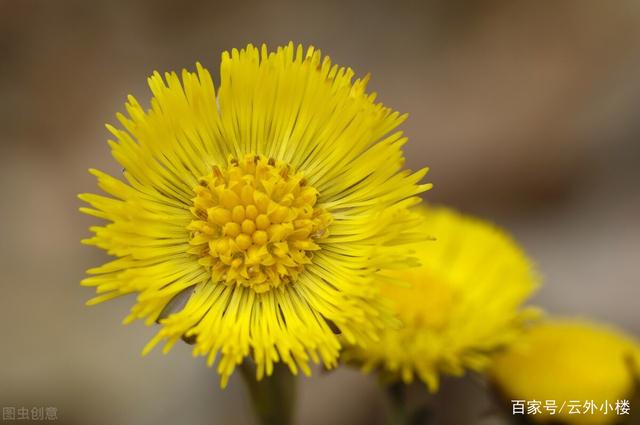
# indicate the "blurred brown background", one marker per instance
pixel 527 113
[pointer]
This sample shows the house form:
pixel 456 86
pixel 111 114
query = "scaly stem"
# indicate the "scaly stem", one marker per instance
pixel 273 398
pixel 396 395
pixel 405 410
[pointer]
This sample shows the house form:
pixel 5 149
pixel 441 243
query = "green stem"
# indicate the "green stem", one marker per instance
pixel 404 408
pixel 273 398
pixel 396 396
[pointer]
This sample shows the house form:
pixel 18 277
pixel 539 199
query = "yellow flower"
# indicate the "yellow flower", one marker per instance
pixel 570 362
pixel 269 204
pixel 460 306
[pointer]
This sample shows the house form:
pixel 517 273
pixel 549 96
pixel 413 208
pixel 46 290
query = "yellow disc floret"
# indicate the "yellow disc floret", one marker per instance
pixel 256 223
pixel 428 303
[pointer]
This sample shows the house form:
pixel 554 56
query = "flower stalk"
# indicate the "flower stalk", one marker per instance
pixel 404 408
pixel 273 398
pixel 397 409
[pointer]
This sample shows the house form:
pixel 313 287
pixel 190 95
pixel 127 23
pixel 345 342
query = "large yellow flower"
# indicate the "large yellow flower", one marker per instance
pixel 269 205
pixel 582 369
pixel 459 307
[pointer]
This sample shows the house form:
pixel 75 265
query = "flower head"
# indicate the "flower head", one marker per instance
pixel 460 306
pixel 570 361
pixel 267 206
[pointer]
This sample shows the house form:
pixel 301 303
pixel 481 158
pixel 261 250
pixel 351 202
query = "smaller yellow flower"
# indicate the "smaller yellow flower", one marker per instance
pixel 570 361
pixel 461 305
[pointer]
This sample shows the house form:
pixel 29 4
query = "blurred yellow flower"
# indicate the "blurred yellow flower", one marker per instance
pixel 269 206
pixel 569 361
pixel 461 305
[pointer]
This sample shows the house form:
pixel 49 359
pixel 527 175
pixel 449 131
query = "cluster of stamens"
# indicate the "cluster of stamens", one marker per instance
pixel 427 303
pixel 256 223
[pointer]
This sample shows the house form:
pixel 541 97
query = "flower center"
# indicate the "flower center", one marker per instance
pixel 427 303
pixel 256 223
